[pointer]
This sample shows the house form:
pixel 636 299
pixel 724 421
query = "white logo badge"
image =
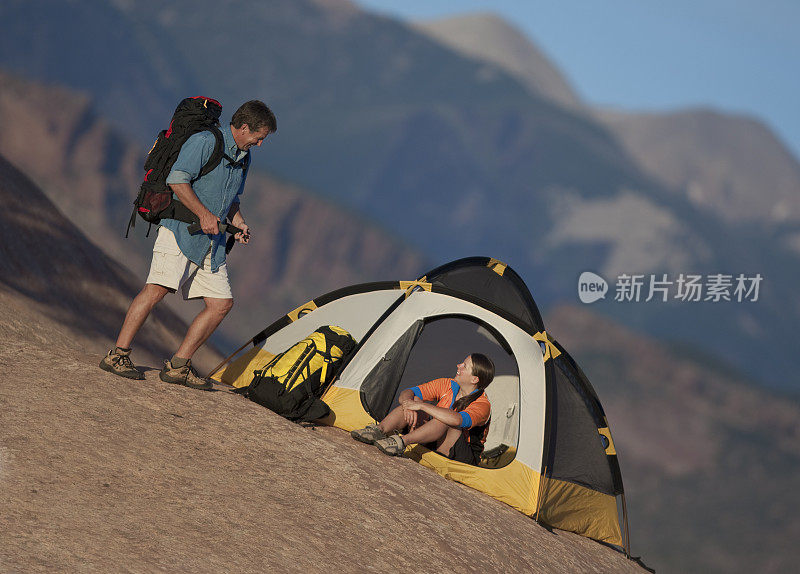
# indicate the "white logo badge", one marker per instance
pixel 591 287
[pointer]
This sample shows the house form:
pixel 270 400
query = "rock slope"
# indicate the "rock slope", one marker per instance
pixel 99 474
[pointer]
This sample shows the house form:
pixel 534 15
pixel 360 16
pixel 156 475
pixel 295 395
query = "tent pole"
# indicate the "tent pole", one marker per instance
pixel 232 355
pixel 627 532
pixel 542 478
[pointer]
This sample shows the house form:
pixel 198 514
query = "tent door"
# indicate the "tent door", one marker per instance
pixel 380 385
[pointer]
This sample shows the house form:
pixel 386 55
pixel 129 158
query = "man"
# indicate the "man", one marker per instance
pixel 196 263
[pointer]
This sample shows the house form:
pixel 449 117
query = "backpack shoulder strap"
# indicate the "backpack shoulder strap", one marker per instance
pixel 219 153
pixel 216 155
pixel 244 163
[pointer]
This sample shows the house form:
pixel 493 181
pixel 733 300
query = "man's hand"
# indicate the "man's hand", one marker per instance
pixel 209 223
pixel 244 236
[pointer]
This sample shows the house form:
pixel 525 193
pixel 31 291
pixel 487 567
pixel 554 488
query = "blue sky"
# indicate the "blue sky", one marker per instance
pixel 735 56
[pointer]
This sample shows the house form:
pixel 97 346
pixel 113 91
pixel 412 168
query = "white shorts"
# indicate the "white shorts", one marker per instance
pixel 172 269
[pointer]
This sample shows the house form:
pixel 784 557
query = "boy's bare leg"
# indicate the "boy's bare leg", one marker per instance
pixel 395 420
pixel 449 440
pixel 432 431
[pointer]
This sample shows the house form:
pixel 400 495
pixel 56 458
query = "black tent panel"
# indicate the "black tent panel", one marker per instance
pixel 581 383
pixel 474 276
pixel 579 455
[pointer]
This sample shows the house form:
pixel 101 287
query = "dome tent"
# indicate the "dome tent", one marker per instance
pixel 549 453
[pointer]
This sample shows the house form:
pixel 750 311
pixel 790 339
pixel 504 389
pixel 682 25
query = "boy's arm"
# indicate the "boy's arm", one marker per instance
pixel 447 416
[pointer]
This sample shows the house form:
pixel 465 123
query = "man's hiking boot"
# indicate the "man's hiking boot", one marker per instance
pixel 119 362
pixel 369 434
pixel 392 445
pixel 185 375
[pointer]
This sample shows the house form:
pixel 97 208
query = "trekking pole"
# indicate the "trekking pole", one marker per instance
pixel 223 228
pixel 228 358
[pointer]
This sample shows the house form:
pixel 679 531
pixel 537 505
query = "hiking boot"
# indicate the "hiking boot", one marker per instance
pixel 185 375
pixel 119 362
pixel 392 445
pixel 369 434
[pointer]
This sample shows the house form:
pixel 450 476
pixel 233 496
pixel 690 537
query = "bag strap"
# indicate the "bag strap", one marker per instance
pixel 132 222
pixel 216 155
pixel 302 363
pixel 257 376
pixel 219 154
pixel 325 364
pixel 243 163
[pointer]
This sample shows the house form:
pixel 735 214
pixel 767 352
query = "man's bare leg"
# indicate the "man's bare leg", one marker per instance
pixel 203 325
pixel 139 310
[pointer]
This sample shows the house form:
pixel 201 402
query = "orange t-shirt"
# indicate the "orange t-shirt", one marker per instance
pixel 444 391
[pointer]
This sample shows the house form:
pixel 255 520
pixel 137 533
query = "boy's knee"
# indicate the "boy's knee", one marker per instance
pixel 436 423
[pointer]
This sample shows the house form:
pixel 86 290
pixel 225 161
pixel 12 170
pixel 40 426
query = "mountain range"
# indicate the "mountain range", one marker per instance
pixel 453 154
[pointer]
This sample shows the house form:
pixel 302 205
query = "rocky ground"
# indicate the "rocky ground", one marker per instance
pixel 98 473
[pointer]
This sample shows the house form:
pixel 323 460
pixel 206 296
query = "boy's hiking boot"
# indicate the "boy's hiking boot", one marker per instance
pixel 185 375
pixel 392 445
pixel 369 434
pixel 118 361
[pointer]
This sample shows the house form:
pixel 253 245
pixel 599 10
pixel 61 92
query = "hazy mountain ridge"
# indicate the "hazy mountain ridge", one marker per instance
pixel 86 46
pixel 720 161
pixel 732 165
pixel 303 245
pixel 86 168
pixel 491 38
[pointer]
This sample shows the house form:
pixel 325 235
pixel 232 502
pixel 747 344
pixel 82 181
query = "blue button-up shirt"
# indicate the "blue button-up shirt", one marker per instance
pixel 217 190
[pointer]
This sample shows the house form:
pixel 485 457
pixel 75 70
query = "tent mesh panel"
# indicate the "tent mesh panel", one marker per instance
pixel 380 385
pixel 579 454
